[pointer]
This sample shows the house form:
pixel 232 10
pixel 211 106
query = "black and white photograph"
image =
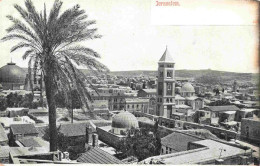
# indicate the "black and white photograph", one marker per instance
pixel 140 82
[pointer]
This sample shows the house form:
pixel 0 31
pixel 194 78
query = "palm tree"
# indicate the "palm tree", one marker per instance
pixel 50 43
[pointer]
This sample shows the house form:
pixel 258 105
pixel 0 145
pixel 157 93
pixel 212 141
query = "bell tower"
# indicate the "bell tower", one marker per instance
pixel 165 86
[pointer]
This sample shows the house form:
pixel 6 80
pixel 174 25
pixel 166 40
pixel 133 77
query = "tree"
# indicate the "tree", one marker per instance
pixel 27 100
pixel 3 104
pixel 140 143
pixel 52 47
pixel 13 100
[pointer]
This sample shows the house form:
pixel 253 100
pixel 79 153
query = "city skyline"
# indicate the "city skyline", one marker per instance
pixel 130 42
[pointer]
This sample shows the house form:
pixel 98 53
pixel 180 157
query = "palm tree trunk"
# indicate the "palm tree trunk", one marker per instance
pixel 71 115
pixel 41 86
pixel 49 88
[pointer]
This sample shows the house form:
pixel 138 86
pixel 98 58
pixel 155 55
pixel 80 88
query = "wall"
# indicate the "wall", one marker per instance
pixel 250 130
pixel 178 124
pixel 108 138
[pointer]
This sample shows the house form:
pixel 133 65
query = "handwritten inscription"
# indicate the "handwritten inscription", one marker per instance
pixel 169 3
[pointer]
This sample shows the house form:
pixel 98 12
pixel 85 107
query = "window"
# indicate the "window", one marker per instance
pixel 137 106
pixel 133 106
pixel 128 106
pixel 161 73
pixel 169 89
pixel 170 66
pixel 160 88
pixel 169 74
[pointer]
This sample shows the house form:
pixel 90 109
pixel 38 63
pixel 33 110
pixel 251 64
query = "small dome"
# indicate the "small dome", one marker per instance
pixel 12 73
pixel 124 120
pixel 187 87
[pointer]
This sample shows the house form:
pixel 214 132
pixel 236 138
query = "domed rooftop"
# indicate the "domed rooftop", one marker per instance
pixel 11 73
pixel 124 120
pixel 187 87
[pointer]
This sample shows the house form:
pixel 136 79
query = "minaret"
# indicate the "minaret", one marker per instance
pixel 165 86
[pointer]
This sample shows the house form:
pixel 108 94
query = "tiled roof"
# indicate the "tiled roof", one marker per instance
pixel 3 136
pixel 178 141
pixel 223 108
pixel 23 129
pixel 98 156
pixel 73 129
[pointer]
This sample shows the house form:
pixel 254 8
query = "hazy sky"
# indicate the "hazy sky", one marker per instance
pixel 131 42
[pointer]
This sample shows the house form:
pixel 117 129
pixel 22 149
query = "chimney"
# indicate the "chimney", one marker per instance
pixel 95 140
pixel 89 135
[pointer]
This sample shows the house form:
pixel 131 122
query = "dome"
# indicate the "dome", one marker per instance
pixel 187 87
pixel 12 73
pixel 124 120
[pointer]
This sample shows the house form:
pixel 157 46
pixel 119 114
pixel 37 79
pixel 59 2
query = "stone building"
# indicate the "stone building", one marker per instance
pixel 250 129
pixel 137 104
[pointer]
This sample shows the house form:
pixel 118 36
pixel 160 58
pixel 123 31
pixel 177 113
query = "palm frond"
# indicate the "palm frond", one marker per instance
pixel 28 18
pixel 21 45
pixel 20 27
pixel 27 53
pixel 81 50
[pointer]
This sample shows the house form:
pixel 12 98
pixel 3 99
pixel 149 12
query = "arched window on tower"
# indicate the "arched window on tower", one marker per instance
pixel 169 74
pixel 161 73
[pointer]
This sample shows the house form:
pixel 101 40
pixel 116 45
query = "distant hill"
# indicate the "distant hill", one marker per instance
pixel 202 76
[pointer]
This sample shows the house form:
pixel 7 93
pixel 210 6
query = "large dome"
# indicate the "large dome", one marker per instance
pixel 187 87
pixel 12 73
pixel 124 120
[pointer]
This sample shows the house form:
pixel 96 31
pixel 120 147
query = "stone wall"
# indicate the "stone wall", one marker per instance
pixel 250 130
pixel 108 138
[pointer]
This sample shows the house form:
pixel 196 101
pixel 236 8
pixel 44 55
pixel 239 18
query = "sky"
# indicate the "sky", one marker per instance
pixel 199 35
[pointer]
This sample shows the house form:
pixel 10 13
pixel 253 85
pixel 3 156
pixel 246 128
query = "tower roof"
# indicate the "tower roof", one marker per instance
pixel 166 57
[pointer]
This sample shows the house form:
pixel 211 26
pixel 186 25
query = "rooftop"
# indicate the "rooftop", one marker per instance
pixel 3 136
pixel 178 97
pixel 17 151
pixel 166 57
pixel 136 100
pixel 210 151
pixel 23 129
pixel 178 141
pixel 97 156
pixel 223 108
pixel 151 91
pixel 73 129
pixel 34 142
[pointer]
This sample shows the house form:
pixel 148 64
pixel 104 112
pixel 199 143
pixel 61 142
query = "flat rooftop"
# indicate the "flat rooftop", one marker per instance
pixel 210 151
